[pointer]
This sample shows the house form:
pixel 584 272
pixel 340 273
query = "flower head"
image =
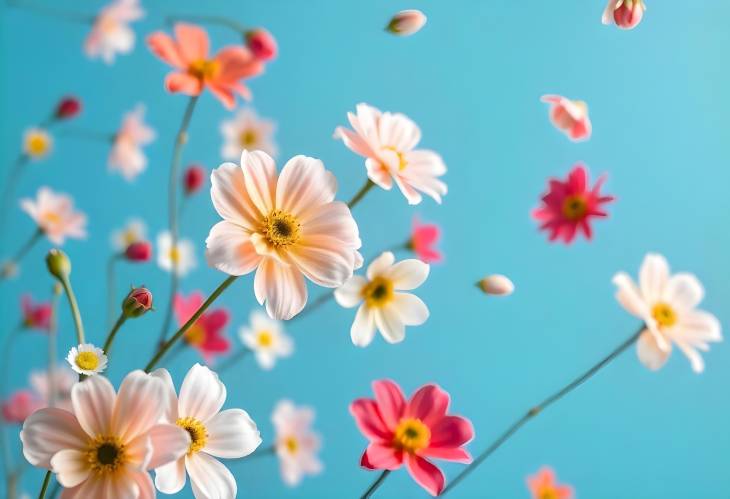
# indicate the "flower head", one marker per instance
pixel 626 14
pixel 296 444
pixel 140 251
pixel 411 432
pixel 55 215
pixel 388 142
pixel 196 70
pixel 668 306
pixel 246 131
pixel 228 434
pixel 285 226
pixel 87 359
pixel 181 257
pixel 262 44
pixel 20 405
pixel 36 315
pixel 383 305
pixel 497 285
pixel 406 22
pixel 106 445
pixel 127 156
pixel 424 237
pixel 569 205
pixel 543 485
pixel 37 143
pixel 111 34
pixel 134 231
pixel 206 334
pixel 569 116
pixel 266 338
pixel 193 179
pixel 67 108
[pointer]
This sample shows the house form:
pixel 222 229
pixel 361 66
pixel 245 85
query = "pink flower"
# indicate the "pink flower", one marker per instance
pixel 569 116
pixel 388 142
pixel 626 14
pixel 262 44
pixel 206 335
pixel 297 445
pixel 543 485
pixel 55 215
pixel 569 206
pixel 36 315
pixel 139 251
pixel 411 432
pixel 20 405
pixel 193 179
pixel 188 54
pixel 127 156
pixel 111 34
pixel 406 22
pixel 68 107
pixel 423 241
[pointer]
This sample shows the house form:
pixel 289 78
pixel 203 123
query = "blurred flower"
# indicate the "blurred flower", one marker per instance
pixel 626 14
pixel 55 215
pixel 296 444
pixel 106 445
pixel 183 254
pixel 68 107
pixel 569 116
pixel 283 226
pixel 37 143
pixel 246 131
pixel 497 285
pixel 382 305
pixel 668 306
pixel 127 156
pixel 206 334
pixel 262 44
pixel 266 338
pixel 229 434
pixel 188 54
pixel 61 379
pixel 111 35
pixel 424 237
pixel 411 432
pixel 543 485
pixel 36 315
pixel 193 179
pixel 20 405
pixel 406 22
pixel 87 359
pixel 387 141
pixel 134 231
pixel 141 251
pixel 137 303
pixel 58 264
pixel 569 205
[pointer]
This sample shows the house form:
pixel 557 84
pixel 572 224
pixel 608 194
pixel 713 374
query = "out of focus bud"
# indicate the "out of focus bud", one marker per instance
pixel 58 264
pixel 67 108
pixel 406 22
pixel 262 44
pixel 496 284
pixel 8 270
pixel 626 14
pixel 137 303
pixel 140 251
pixel 193 179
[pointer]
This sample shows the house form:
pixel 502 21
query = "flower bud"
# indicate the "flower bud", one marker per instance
pixel 496 284
pixel 406 22
pixel 626 14
pixel 193 179
pixel 140 251
pixel 261 43
pixel 58 264
pixel 137 303
pixel 68 107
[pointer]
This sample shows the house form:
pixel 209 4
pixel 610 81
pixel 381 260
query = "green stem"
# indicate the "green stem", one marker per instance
pixel 75 312
pixel 51 12
pixel 7 348
pixel 537 409
pixel 376 484
pixel 361 193
pixel 110 337
pixel 44 487
pixel 222 21
pixel 7 269
pixel 55 490
pixel 111 288
pixel 179 334
pixel 52 342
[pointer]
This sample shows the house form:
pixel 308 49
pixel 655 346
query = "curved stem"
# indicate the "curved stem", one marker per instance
pixel 52 348
pixel 169 343
pixel 7 269
pixel 233 359
pixel 44 487
pixel 111 288
pixel 110 337
pixel 377 483
pixel 222 21
pixel 361 193
pixel 537 409
pixel 51 12
pixel 75 312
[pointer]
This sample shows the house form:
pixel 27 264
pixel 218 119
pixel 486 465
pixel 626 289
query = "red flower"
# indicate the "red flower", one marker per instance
pixel 137 303
pixel 36 315
pixel 411 432
pixel 543 485
pixel 569 206
pixel 68 107
pixel 423 239
pixel 262 44
pixel 20 405
pixel 193 179
pixel 139 251
pixel 206 335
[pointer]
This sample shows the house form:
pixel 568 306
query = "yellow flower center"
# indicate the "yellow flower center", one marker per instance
pixel 51 217
pixel 174 255
pixel 664 315
pixel 197 431
pixel 204 69
pixel 402 163
pixel 575 207
pixel 265 339
pixel 37 144
pixel 411 435
pixel 106 454
pixel 547 492
pixel 248 138
pixel 129 237
pixel 291 444
pixel 195 335
pixel 281 229
pixel 378 292
pixel 87 361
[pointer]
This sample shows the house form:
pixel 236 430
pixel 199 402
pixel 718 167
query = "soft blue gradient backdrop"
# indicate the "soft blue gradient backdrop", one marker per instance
pixel 471 79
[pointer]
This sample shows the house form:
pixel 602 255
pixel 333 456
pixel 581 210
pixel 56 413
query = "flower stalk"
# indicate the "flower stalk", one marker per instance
pixel 369 184
pixel 376 484
pixel 8 267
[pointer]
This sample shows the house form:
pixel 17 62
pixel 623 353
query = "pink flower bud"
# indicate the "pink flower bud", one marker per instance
pixel 262 44
pixel 626 14
pixel 36 315
pixel 406 22
pixel 67 108
pixel 137 303
pixel 19 406
pixel 140 251
pixel 193 179
pixel 496 284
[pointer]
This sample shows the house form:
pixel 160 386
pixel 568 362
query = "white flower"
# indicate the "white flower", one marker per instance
pixel 134 231
pixel 37 143
pixel 296 444
pixel 61 379
pixel 229 434
pixel 383 305
pixel 266 338
pixel 183 254
pixel 247 131
pixel 87 359
pixel 55 215
pixel 667 305
pixel 127 156
pixel 111 35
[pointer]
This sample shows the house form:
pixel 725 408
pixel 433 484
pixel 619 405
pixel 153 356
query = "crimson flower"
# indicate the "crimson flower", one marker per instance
pixel 206 335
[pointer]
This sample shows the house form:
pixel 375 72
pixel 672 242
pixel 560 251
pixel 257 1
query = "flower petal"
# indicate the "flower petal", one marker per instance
pixel 93 403
pixel 232 434
pixel 380 265
pixel 138 406
pixel 369 421
pixel 683 291
pixel 169 443
pixel 48 431
pixel 281 287
pixel 230 197
pixel 408 274
pixel 425 474
pixel 170 478
pixel 202 394
pixel 209 478
pixel 350 293
pixel 653 277
pixel 451 432
pixel 429 404
pixel 455 454
pixel 259 174
pixel 170 398
pixel 229 249
pixel 303 185
pixel 324 260
pixel 391 402
pixel 629 296
pixel 379 456
pixel 649 352
pixel 70 466
pixel 164 47
pixel 192 42
pixel 390 324
pixel 410 309
pixel 363 327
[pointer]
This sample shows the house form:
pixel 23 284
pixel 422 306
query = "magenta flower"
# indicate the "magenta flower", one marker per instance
pixel 424 237
pixel 206 335
pixel 36 315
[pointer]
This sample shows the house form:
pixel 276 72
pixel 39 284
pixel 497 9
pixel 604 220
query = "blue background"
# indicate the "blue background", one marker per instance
pixel 472 81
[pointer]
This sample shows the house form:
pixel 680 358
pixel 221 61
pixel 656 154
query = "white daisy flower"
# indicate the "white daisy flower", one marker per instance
pixel 183 254
pixel 247 131
pixel 87 359
pixel 266 338
pixel 37 143
pixel 296 444
pixel 134 231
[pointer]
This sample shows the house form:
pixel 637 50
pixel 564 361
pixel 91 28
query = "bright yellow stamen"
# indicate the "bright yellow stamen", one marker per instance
pixel 291 444
pixel 174 255
pixel 195 335
pixel 411 435
pixel 204 69
pixel 378 292
pixel 265 339
pixel 548 492
pixel 575 207
pixel 51 217
pixel 106 454
pixel 37 144
pixel 281 229
pixel 664 315
pixel 87 361
pixel 197 431
pixel 248 138
pixel 402 163
pixel 129 237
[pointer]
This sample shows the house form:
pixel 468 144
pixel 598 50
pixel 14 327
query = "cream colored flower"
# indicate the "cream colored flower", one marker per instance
pixel 297 445
pixel 55 215
pixel 37 143
pixel 87 359
pixel 111 34
pixel 246 131
pixel 127 156
pixel 182 255
pixel 265 337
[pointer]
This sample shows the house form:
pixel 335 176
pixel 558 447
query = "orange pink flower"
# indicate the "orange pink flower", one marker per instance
pixel 626 14
pixel 36 315
pixel 424 237
pixel 543 485
pixel 569 116
pixel 206 335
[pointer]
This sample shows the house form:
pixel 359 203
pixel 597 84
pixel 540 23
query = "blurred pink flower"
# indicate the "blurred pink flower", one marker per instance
pixel 424 237
pixel 193 179
pixel 55 215
pixel 262 44
pixel 543 485
pixel 626 14
pixel 139 251
pixel 20 405
pixel 61 380
pixel 296 444
pixel 406 22
pixel 127 156
pixel 569 116
pixel 111 34
pixel 206 335
pixel 36 315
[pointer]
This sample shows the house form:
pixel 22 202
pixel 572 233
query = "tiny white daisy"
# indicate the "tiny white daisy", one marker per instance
pixel 87 359
pixel 37 143
pixel 183 254
pixel 266 338
pixel 133 231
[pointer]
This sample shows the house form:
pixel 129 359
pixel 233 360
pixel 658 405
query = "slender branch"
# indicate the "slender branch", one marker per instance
pixel 534 411
pixel 361 193
pixel 233 359
pixel 75 312
pixel 52 342
pixel 110 337
pixel 44 487
pixel 111 288
pixel 51 12
pixel 222 21
pixel 169 343
pixel 376 484
pixel 7 269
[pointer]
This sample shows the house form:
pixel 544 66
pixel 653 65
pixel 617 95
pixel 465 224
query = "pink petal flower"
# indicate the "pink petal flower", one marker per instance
pixel 570 117
pixel 207 333
pixel 55 215
pixel 626 14
pixel 424 237
pixel 36 315
pixel 20 405
pixel 262 44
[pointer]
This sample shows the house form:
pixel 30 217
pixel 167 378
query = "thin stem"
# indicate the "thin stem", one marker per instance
pixel 111 304
pixel 321 300
pixel 75 312
pixel 52 348
pixel 534 411
pixel 169 343
pixel 110 337
pixel 8 266
pixel 377 483
pixel 222 21
pixel 233 359
pixel 51 12
pixel 361 193
pixel 44 487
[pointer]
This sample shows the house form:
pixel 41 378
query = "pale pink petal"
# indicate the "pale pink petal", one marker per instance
pixel 138 406
pixel 408 274
pixel 209 478
pixel 389 324
pixel 192 42
pixel 281 287
pixel 164 47
pixel 700 326
pixel 202 394
pixel 334 220
pixel 146 489
pixel 391 401
pixel 629 296
pixel 412 196
pixel 170 398
pixel 170 478
pixel 303 185
pixel 70 466
pixel 350 293
pixel 324 260
pixel 169 443
pixel 232 434
pixel 93 403
pixel 230 199
pixel 653 276
pixel 354 142
pixel 425 474
pixel 683 291
pixel 695 359
pixel 398 131
pixel 410 309
pixel 259 173
pixel 223 93
pixel 230 250
pixel 48 431
pixel 363 327
pixel 649 352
